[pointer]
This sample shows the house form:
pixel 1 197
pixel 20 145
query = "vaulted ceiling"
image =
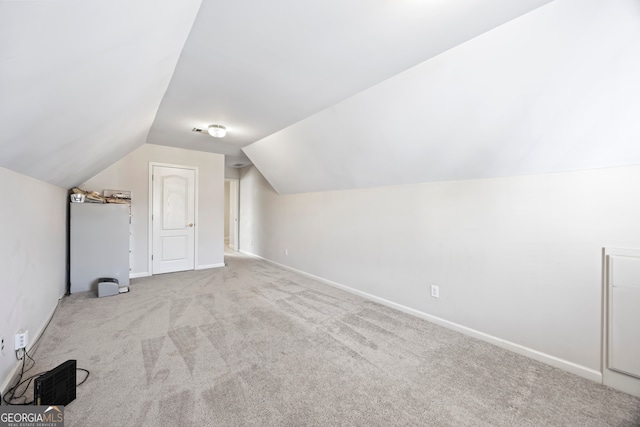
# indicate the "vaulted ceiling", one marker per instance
pixel 322 95
pixel 81 81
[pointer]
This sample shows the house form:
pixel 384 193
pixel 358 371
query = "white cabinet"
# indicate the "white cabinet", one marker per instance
pixel 99 244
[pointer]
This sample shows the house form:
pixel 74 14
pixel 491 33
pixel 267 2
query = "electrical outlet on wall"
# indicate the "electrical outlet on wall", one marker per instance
pixel 435 291
pixel 22 340
pixel 286 251
pixel 2 346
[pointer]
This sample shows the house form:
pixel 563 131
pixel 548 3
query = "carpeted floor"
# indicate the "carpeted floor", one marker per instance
pixel 253 344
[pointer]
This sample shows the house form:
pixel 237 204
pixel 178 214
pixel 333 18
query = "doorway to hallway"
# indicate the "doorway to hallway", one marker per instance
pixel 231 209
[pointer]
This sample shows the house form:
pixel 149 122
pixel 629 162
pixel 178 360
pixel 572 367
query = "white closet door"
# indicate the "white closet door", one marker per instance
pixel 173 219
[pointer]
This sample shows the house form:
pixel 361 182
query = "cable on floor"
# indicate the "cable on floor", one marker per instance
pixel 18 392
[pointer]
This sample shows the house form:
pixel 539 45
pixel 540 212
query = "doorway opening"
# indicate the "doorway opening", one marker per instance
pixel 231 209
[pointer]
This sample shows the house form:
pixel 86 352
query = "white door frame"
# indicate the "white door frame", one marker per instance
pixel 195 213
pixel 234 194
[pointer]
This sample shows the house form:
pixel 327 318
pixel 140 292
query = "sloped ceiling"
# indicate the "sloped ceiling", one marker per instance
pixel 81 81
pixel 257 67
pixel 555 90
pixel 323 95
pixel 84 83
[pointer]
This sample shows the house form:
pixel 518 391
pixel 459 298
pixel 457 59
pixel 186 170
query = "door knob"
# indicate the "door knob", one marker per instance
pixel 191 225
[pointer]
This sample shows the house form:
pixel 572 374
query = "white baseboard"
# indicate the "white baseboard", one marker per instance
pixel 207 266
pixel 200 267
pixel 138 275
pixel 33 341
pixel 548 359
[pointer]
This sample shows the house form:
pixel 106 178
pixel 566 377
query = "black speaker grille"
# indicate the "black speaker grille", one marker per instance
pixel 56 387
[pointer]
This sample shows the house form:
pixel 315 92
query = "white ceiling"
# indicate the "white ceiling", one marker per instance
pixel 84 83
pixel 555 90
pixel 258 67
pixel 81 81
pixel 323 95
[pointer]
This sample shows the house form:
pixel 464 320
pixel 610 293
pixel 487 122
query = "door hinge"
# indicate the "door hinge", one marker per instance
pixel 152 257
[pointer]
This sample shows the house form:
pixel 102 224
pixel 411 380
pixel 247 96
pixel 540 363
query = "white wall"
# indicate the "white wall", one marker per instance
pixel 518 258
pixel 132 173
pixel 33 217
pixel 233 173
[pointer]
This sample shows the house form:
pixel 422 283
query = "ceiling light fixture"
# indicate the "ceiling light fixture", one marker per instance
pixel 217 131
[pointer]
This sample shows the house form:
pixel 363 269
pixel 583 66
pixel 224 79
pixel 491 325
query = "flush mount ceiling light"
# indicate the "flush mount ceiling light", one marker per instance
pixel 216 131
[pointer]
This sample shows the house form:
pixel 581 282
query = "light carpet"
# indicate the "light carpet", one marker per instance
pixel 252 344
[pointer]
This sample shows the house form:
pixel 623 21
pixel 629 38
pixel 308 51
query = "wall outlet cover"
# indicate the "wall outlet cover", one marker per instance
pixel 435 291
pixel 22 340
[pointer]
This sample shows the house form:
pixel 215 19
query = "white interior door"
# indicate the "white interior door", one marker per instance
pixel 173 219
